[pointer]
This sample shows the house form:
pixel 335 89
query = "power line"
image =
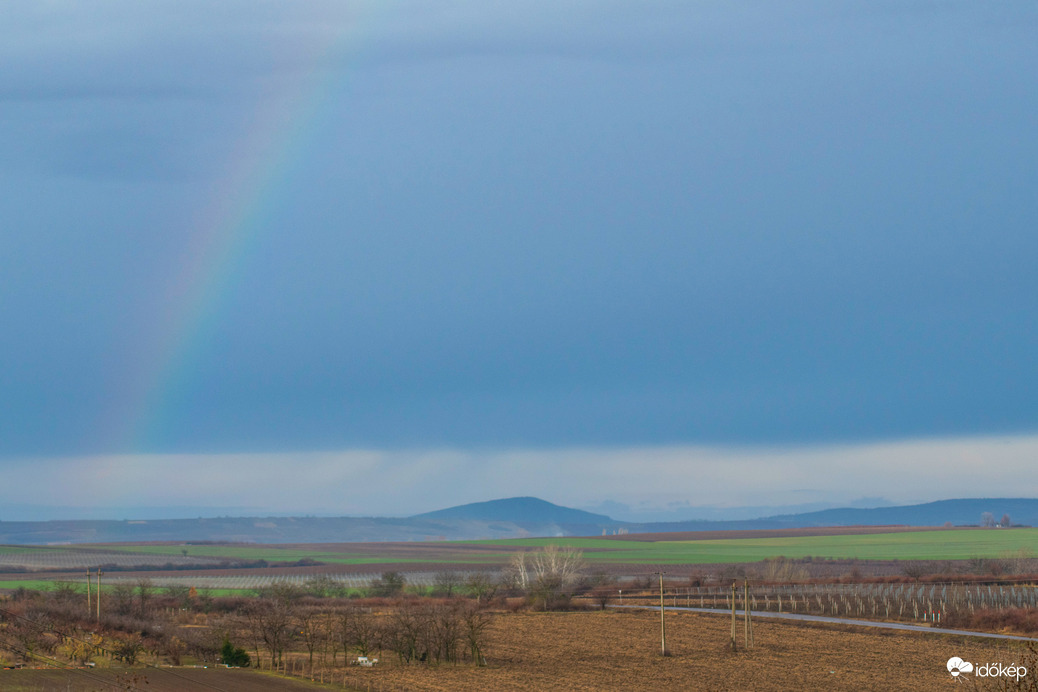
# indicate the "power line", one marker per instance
pixel 25 653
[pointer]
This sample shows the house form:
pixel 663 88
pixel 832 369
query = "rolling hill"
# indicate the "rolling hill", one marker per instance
pixel 520 510
pixel 507 518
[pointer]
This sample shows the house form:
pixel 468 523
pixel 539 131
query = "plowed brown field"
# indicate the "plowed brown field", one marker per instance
pixel 152 680
pixel 620 651
pixel 614 651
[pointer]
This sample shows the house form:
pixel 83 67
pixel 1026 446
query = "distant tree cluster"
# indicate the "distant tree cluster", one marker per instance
pixel 389 584
pixel 987 520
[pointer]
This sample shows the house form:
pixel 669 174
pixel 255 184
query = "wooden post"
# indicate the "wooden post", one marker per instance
pixel 98 599
pixel 88 593
pixel 663 622
pixel 746 609
pixel 733 617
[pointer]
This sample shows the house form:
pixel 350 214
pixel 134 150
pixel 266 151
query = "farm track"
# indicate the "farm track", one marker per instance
pixel 824 619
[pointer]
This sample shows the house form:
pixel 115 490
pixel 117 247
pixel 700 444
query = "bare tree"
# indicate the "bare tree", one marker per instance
pixel 914 569
pixel 174 648
pixel 204 644
pixel 323 586
pixel 446 583
pixel 987 519
pixel 358 629
pixel 280 590
pixel 555 573
pixel 121 599
pixel 518 572
pixel 342 633
pixel 145 589
pixel 444 624
pixel 311 627
pixel 129 649
pixel 181 595
pixel 65 593
pixel 419 632
pixel 1006 521
pixel 782 569
pixel 388 584
pixel 603 595
pixel 482 586
pixel 475 620
pixel 28 631
pixel 563 564
pixel 405 633
pixel 269 620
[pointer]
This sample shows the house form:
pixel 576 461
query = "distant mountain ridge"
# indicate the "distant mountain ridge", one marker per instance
pixel 958 512
pixel 519 510
pixel 515 517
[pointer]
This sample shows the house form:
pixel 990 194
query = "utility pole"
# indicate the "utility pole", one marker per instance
pixel 746 609
pixel 88 592
pixel 663 621
pixel 99 594
pixel 733 616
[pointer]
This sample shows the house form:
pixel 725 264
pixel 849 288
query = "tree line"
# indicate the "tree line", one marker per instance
pixel 447 624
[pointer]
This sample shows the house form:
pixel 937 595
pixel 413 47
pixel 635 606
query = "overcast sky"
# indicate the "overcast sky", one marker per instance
pixel 423 253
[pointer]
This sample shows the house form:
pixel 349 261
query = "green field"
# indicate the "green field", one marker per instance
pixel 16 549
pixel 441 553
pixel 235 552
pixel 31 584
pixel 50 584
pixel 952 544
pixel 909 545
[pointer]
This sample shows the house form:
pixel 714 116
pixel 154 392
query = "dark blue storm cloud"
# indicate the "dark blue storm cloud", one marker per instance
pixel 552 224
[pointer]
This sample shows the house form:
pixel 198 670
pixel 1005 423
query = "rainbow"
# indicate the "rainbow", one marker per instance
pixel 230 222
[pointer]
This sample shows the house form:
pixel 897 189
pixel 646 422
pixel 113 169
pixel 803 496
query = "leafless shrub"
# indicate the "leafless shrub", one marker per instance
pixel 915 569
pixel 129 648
pixel 603 595
pixel 782 570
pixel 280 591
pixel 120 598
